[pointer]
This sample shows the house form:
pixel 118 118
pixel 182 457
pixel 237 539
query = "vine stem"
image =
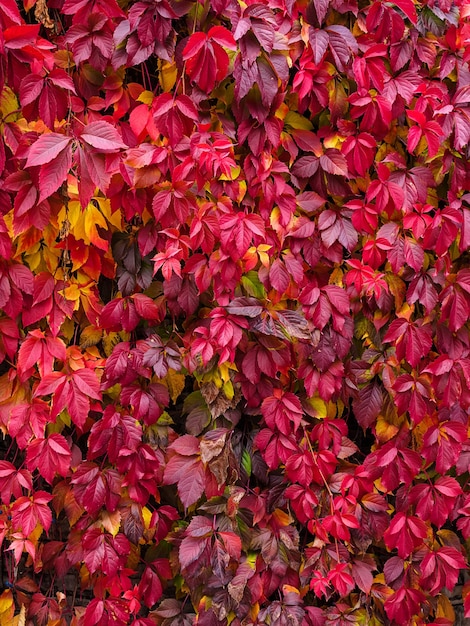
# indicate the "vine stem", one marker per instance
pixel 327 487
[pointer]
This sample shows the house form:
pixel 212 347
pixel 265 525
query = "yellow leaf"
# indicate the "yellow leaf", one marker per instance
pixel 445 608
pixel 225 369
pixel 115 219
pixel 397 289
pixel 319 407
pixel 63 419
pixel 333 141
pixel 72 293
pixel 234 174
pixel 93 218
pixel 20 619
pixel 134 559
pixel 175 383
pixel 290 589
pixel 146 97
pixel 147 517
pixel 111 521
pixel 336 277
pixel 448 538
pixel 338 99
pixel 254 610
pixel 6 387
pixel 114 391
pixel 90 336
pixel 384 430
pixel 282 518
pixel 83 223
pixel 7 607
pixel 228 390
pixel 110 340
pixel 34 258
pixel 167 75
pixel 9 105
pixel 36 534
pixel 297 121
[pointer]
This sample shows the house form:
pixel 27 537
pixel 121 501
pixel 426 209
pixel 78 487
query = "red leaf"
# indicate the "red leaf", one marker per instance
pixel 53 174
pixel 368 405
pixel 150 586
pixel 50 456
pixel 319 42
pixel 28 512
pixel 282 412
pixel 408 8
pixel 94 488
pixel 334 162
pixel 103 136
pixel 30 88
pixel 41 350
pixel 441 568
pixel 191 484
pixel 86 382
pixel 403 604
pixel 47 148
pixel 405 533
pixel 13 481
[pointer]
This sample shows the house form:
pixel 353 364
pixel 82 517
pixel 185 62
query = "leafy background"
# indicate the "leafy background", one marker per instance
pixel 235 297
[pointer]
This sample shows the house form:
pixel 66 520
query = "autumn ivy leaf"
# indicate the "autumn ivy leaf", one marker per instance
pixel 50 456
pixel 39 349
pixel 47 148
pixel 340 579
pixel 13 481
pixel 150 585
pixel 185 468
pixel 206 60
pixel 197 541
pixel 441 568
pixel 319 41
pixel 106 611
pixel 404 603
pixel 94 488
pixel 103 552
pixel 435 502
pixel 19 545
pixel 72 391
pixel 411 340
pixel 405 533
pixel 27 512
pixel 103 136
pixel 359 151
pixel 282 411
pixel 430 130
pixel 114 431
pixel 443 444
pixel 237 232
pixel 52 175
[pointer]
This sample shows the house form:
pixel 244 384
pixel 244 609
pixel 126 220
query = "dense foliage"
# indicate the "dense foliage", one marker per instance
pixel 235 303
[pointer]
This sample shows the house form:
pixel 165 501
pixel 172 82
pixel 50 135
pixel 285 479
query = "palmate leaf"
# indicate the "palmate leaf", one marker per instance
pixel 206 60
pixel 28 512
pixel 47 148
pixel 72 392
pixel 50 456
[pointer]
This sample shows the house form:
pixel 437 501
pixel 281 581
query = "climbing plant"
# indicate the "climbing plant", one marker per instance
pixel 235 303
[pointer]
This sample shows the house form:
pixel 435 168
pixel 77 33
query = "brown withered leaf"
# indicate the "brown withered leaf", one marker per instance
pixel 217 453
pixel 41 13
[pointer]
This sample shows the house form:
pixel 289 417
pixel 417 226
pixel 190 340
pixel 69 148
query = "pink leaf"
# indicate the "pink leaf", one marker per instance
pixel 46 148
